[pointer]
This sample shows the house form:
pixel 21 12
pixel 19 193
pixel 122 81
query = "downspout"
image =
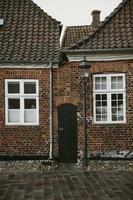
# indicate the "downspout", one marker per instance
pixel 51 111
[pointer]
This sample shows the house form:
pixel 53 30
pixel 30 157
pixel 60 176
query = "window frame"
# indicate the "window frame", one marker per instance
pixel 21 96
pixel 109 91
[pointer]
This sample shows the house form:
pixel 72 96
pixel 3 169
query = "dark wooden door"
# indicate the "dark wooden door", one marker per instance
pixel 67 127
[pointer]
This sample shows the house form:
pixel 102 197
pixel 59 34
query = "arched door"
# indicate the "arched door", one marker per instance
pixel 67 127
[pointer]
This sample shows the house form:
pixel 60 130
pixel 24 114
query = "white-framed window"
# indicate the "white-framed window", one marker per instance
pixel 21 102
pixel 109 98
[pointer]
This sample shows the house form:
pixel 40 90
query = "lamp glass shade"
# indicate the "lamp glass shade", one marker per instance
pixel 84 64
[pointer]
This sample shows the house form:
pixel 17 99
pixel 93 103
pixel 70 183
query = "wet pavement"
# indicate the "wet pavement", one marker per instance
pixel 67 185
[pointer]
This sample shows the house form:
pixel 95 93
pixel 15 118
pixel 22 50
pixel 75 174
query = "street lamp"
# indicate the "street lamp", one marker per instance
pixel 84 64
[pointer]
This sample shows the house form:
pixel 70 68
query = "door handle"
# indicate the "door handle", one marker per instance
pixel 61 129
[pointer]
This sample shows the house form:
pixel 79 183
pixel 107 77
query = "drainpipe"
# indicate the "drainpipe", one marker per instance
pixel 51 111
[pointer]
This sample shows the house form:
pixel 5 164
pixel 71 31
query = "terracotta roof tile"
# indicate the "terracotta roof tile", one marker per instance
pixel 29 34
pixel 74 34
pixel 116 31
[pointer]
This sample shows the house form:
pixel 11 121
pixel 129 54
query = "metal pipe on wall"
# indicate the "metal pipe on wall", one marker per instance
pixel 51 110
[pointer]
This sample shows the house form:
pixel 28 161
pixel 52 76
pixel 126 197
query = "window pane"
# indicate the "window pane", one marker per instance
pixel 30 103
pixel 120 103
pixel 113 82
pixel 13 116
pixel 120 85
pixel 114 103
pixel 98 117
pixel 113 79
pixel 101 107
pixel 114 117
pixel 103 83
pixel 29 88
pixel 113 86
pixel 97 86
pixel 114 110
pixel 120 118
pixel 101 118
pixel 120 82
pixel 97 80
pixel 117 82
pixel 13 88
pixel 14 103
pixel 104 117
pixel 98 103
pixel 104 110
pixel 98 96
pixel 113 96
pixel 117 107
pixel 120 79
pixel 98 111
pixel 104 97
pixel 100 83
pixel 104 103
pixel 97 83
pixel 114 100
pixel 120 96
pixel 30 116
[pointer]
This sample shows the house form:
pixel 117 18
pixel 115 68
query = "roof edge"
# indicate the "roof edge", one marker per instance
pixel 96 50
pixel 101 25
pixel 29 62
pixel 58 22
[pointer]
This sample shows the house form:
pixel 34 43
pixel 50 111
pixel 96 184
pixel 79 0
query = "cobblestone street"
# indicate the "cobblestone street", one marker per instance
pixel 67 185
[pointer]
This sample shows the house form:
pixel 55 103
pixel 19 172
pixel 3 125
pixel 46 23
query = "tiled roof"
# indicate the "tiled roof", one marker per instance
pixel 74 34
pixel 116 31
pixel 29 34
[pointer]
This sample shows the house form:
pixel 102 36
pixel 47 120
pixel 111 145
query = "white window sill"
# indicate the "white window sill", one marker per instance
pixel 18 124
pixel 106 123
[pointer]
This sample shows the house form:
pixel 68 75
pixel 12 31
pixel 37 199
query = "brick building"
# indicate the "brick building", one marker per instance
pixel 29 47
pixel 41 93
pixel 108 46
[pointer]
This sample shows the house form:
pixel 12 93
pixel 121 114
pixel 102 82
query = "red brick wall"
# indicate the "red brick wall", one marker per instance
pixel 34 140
pixel 102 138
pixel 26 140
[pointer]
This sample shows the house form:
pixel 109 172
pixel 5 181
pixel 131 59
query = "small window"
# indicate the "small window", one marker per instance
pixel 22 102
pixel 109 98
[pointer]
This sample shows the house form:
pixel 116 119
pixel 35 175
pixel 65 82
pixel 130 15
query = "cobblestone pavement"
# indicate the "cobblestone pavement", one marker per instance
pixel 67 185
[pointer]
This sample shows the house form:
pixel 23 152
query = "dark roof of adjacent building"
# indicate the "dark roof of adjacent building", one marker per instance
pixel 73 34
pixel 28 34
pixel 116 31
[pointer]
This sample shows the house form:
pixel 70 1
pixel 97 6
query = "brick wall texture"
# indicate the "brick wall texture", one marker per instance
pixel 105 137
pixel 26 140
pixel 34 140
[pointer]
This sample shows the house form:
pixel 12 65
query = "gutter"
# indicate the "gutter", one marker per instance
pixel 51 111
pixel 97 55
pixel 55 62
pixel 96 50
